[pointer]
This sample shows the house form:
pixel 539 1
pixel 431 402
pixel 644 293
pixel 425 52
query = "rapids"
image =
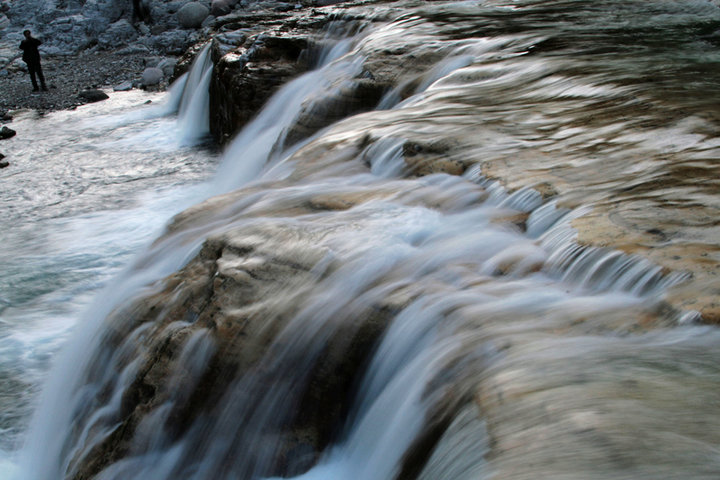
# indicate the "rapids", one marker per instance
pixel 428 290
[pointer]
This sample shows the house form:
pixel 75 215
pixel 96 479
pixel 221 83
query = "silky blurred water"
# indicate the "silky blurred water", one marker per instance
pixel 510 350
pixel 85 190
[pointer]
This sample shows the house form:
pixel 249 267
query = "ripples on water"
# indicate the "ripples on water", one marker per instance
pixel 512 352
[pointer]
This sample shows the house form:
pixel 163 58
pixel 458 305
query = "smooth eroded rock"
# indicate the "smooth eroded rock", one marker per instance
pixel 93 95
pixel 6 132
pixel 152 76
pixel 222 7
pixel 123 87
pixel 192 14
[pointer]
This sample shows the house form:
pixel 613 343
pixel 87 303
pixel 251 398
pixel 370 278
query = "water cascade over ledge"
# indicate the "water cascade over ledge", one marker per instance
pixel 406 293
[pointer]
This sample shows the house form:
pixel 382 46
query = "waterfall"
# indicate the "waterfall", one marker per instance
pixel 193 108
pixel 367 301
pixel 262 141
pixel 185 109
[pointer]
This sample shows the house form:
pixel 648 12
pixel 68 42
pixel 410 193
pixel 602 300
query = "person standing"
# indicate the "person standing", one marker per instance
pixel 31 56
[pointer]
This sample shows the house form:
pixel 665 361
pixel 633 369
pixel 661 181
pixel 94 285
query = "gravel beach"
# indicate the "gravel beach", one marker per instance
pixel 66 77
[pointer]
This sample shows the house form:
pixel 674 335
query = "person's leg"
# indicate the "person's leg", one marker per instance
pixel 31 69
pixel 41 76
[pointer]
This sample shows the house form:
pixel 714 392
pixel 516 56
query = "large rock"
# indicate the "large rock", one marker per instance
pixel 192 14
pixel 100 14
pixel 222 7
pixel 152 76
pixel 93 95
pixel 6 133
pixel 117 34
pixel 173 42
pixel 240 291
pixel 246 78
pixel 167 65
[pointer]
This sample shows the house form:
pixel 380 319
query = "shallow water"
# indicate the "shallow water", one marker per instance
pixel 85 190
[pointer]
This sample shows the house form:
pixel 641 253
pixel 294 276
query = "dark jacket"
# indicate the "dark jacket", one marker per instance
pixel 29 46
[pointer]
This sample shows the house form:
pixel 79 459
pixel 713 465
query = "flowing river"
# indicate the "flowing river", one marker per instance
pixel 432 289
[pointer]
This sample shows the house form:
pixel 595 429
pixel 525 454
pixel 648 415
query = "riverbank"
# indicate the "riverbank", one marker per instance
pixel 66 77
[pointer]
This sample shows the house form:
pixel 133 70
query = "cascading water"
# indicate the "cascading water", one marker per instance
pixel 350 310
pixel 194 106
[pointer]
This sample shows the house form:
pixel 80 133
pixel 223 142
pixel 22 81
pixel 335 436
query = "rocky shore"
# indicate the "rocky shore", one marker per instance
pixel 104 44
pixel 67 77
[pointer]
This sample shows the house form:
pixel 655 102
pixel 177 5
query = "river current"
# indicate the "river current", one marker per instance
pixel 509 351
pixel 86 190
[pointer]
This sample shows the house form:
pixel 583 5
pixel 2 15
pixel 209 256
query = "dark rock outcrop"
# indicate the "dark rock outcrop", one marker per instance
pixel 6 133
pixel 245 78
pixel 240 292
pixel 93 95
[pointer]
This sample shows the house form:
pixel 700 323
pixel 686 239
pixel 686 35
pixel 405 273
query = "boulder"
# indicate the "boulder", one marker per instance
pixel 222 7
pixel 173 42
pixel 119 33
pixel 225 290
pixel 192 14
pixel 152 76
pixel 93 95
pixel 4 163
pixel 101 13
pixel 167 65
pixel 6 132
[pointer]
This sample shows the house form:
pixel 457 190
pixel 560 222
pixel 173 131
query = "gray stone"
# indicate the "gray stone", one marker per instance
pixel 152 76
pixel 93 95
pixel 219 8
pixel 135 49
pixel 192 14
pixel 109 10
pixel 173 42
pixel 152 61
pixel 17 65
pixel 208 22
pixel 6 132
pixel 235 38
pixel 143 29
pixel 119 33
pixel 99 14
pixel 167 65
pixel 123 87
pixel 53 50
